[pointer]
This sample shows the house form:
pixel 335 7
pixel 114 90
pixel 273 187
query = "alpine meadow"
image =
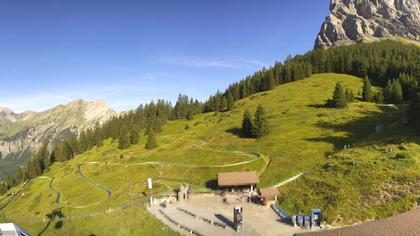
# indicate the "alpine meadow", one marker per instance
pixel 325 142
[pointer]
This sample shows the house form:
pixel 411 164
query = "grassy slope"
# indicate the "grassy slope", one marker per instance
pixel 302 134
pixel 359 184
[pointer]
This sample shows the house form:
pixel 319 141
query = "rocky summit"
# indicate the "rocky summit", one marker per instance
pixel 22 133
pixel 354 21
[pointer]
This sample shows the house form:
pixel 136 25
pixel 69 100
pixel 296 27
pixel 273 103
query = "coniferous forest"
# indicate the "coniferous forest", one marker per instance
pixel 390 65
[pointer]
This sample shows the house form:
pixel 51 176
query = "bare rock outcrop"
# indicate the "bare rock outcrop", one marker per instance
pixel 354 21
pixel 20 134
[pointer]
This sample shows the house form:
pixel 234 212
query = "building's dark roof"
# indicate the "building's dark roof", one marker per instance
pixel 269 192
pixel 407 223
pixel 237 178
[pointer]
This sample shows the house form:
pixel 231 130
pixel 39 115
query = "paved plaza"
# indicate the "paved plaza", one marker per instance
pixel 202 214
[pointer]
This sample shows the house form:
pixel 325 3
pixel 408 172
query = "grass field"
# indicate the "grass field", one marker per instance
pixel 359 184
pixel 303 134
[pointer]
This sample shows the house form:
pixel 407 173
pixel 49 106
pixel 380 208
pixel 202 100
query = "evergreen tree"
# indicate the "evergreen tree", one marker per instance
pixel 33 168
pixel 243 90
pixel 66 152
pixel 123 140
pixel 224 103
pixel 73 144
pixel 43 157
pixel 3 188
pixel 98 135
pixel 378 96
pixel 83 142
pixel 19 176
pixel 247 125
pixel 190 115
pixel 151 140
pixel 53 155
pixel 393 92
pixel 230 102
pixel 367 94
pixel 349 95
pixel 339 99
pixel 261 125
pixel 414 108
pixel 153 124
pixel 408 84
pixel 134 136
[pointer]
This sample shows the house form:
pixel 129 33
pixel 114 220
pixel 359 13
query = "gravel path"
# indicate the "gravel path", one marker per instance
pixel 288 180
pixel 109 192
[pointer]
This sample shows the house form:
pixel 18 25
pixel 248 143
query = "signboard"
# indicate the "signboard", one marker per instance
pixel 149 183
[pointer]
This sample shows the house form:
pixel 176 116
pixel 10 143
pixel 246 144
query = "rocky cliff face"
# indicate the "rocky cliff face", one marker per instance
pixel 353 21
pixel 7 115
pixel 22 133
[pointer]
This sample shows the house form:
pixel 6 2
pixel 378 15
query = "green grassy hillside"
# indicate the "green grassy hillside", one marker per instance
pixel 106 185
pixel 376 178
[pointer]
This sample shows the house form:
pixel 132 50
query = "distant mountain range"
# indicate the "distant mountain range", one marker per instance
pixel 22 133
pixel 355 21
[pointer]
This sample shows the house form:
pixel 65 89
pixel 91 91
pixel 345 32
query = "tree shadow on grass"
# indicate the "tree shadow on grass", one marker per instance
pixel 358 129
pixel 238 132
pixel 317 106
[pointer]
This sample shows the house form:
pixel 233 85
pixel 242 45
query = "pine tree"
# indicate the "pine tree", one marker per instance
pixel 414 109
pixel 224 103
pixel 393 92
pixel 230 102
pixel 151 140
pixel 134 136
pixel 339 99
pixel 83 142
pixel 3 188
pixel 123 140
pixel 33 168
pixel 190 115
pixel 43 156
pixel 53 155
pixel 156 125
pixel 247 125
pixel 378 96
pixel 349 95
pixel 261 125
pixel 243 90
pixel 367 94
pixel 408 84
pixel 73 144
pixel 66 152
pixel 19 176
pixel 98 135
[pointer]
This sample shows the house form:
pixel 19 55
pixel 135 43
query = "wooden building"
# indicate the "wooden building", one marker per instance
pixel 238 181
pixel 269 196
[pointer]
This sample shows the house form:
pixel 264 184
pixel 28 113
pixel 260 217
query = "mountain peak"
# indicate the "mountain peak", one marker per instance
pixel 354 21
pixel 29 130
pixel 7 115
pixel 5 110
pixel 93 111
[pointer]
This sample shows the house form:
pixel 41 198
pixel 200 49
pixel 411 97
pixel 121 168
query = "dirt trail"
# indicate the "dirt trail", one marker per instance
pixel 288 180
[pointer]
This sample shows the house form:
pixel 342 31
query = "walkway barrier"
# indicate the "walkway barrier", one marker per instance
pixel 212 222
pixel 280 211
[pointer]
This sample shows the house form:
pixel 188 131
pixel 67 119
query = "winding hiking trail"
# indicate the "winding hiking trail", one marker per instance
pixel 288 180
pixel 108 192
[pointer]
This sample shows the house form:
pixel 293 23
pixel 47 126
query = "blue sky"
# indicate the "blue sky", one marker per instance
pixel 130 52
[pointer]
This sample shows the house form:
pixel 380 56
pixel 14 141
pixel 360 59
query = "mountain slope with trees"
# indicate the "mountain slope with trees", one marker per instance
pixel 291 130
pixel 303 133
